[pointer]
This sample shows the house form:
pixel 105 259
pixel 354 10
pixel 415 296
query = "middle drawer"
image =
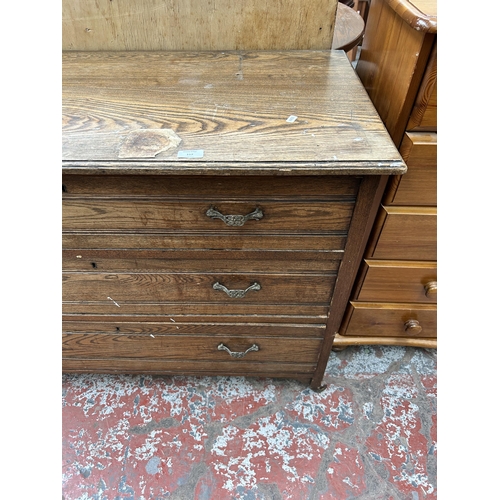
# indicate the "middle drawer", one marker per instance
pixel 198 287
pixel 399 281
pixel 408 233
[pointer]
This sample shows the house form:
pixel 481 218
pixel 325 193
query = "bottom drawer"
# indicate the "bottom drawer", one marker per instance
pixel 297 370
pixel 197 350
pixel 390 320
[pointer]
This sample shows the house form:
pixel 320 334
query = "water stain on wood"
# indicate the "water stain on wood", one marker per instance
pixel 148 143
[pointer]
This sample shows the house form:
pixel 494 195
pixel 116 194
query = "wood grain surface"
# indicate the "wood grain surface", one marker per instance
pixel 421 15
pixel 190 287
pixel 184 347
pixel 388 64
pixel 144 326
pixel 424 113
pixel 418 187
pixel 206 312
pixel 84 364
pixel 198 24
pixel 388 319
pixel 342 341
pixel 205 187
pixel 408 233
pixel 196 261
pixel 397 281
pixel 189 215
pixel 349 28
pixel 233 106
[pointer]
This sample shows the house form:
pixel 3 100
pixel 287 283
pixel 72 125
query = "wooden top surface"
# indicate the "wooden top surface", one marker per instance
pixel 349 28
pixel 213 112
pixel 421 15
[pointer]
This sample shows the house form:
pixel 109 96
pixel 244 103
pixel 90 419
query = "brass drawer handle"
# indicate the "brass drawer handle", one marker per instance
pixel 236 294
pixel 239 355
pixel 431 289
pixel 234 220
pixel 412 327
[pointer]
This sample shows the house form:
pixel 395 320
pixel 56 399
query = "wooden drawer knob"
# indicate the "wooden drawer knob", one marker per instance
pixel 431 289
pixel 412 327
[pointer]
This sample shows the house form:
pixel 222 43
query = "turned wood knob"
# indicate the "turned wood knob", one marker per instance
pixel 412 327
pixel 431 288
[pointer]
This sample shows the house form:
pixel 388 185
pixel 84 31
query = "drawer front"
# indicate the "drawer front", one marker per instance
pixel 407 233
pixel 187 215
pixel 153 326
pixel 331 243
pixel 317 187
pixel 144 366
pixel 418 187
pixel 391 320
pixel 221 261
pixel 399 281
pixel 196 312
pixel 186 287
pixel 191 347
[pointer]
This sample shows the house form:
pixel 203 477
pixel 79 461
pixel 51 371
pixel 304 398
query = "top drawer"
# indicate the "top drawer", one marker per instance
pixel 265 215
pixel 204 186
pixel 418 187
pixel 157 203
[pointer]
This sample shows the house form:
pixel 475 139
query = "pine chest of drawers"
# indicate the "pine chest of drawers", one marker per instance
pixel 394 300
pixel 215 209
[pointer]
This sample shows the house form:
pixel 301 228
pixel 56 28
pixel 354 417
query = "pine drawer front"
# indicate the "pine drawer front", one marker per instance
pixel 192 347
pixel 212 288
pixel 418 187
pixel 391 320
pixel 408 233
pixel 399 281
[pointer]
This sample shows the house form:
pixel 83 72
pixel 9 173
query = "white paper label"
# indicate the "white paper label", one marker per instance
pixel 191 153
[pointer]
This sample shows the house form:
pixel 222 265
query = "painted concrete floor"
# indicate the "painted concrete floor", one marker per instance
pixel 370 435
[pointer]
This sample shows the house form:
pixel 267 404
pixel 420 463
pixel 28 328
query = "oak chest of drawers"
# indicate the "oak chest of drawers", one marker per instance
pixel 215 209
pixel 394 300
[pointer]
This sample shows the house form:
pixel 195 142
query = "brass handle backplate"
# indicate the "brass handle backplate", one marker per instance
pixel 236 294
pixel 234 220
pixel 239 355
pixel 412 327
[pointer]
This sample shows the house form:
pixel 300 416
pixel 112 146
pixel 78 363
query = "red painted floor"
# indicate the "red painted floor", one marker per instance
pixel 370 435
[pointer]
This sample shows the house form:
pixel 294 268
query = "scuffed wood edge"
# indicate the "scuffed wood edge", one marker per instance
pixel 418 20
pixel 369 196
pixel 389 167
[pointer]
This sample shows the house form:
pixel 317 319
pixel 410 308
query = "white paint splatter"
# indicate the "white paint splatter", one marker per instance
pixel 365 363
